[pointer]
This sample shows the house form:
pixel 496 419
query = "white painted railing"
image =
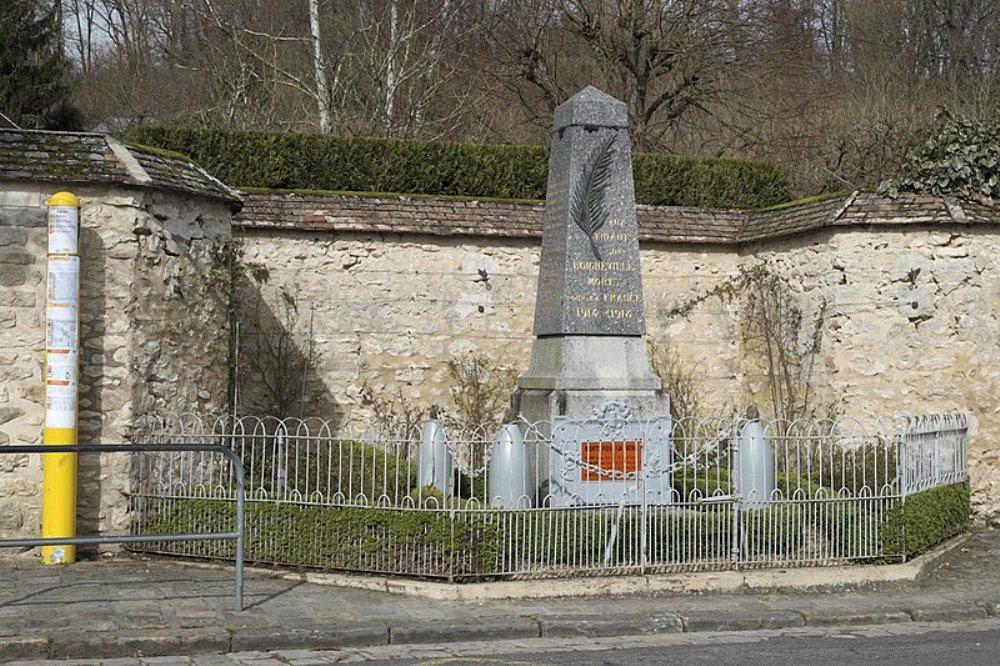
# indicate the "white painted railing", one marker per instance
pixel 554 498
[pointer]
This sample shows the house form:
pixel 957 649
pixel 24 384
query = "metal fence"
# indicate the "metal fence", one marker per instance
pixel 550 499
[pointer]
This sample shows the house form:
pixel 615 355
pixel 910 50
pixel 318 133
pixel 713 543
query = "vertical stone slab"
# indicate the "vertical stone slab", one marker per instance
pixel 589 316
pixel 589 280
pixel 589 358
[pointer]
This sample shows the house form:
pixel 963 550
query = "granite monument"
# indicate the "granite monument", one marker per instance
pixel 589 360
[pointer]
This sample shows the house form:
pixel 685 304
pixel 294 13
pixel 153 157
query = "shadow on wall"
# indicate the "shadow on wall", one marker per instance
pixel 274 369
pixel 93 380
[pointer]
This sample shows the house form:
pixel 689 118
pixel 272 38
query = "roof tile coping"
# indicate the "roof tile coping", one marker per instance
pixel 87 157
pixel 673 224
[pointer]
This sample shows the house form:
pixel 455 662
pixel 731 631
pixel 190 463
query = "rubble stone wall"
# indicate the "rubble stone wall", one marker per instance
pixel 153 332
pixel 908 318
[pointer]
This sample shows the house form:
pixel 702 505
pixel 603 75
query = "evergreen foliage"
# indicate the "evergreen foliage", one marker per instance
pixel 355 164
pixel 33 70
pixel 961 159
pixel 926 519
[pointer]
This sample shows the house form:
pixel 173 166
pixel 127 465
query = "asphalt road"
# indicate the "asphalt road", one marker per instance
pixel 972 644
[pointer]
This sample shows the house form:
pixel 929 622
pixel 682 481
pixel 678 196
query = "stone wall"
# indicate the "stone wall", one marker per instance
pixel 906 298
pixel 153 332
pixel 386 293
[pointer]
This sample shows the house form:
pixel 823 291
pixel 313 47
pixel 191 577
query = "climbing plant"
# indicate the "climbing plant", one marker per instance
pixel 273 351
pixel 774 333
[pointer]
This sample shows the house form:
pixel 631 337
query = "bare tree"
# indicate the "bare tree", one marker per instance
pixel 662 57
pixel 319 68
pixel 401 56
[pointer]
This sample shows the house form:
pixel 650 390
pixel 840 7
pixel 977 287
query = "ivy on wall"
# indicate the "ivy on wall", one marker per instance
pixel 961 159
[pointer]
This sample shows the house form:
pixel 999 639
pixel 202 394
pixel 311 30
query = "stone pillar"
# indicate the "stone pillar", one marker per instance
pixel 589 361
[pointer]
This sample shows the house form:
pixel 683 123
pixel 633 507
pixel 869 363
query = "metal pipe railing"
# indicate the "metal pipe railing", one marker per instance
pixel 237 534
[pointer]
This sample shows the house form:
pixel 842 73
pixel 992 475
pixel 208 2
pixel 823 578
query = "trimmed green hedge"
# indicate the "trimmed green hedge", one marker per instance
pixel 343 538
pixel 427 542
pixel 926 519
pixel 276 160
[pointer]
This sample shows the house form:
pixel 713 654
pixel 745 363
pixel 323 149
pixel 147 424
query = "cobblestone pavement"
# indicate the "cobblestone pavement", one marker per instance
pixel 130 611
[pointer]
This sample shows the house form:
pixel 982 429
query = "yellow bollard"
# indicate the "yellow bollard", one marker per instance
pixel 62 341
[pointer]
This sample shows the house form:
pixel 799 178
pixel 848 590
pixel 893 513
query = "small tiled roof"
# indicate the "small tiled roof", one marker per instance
pixel 78 157
pixel 671 224
pixel 398 214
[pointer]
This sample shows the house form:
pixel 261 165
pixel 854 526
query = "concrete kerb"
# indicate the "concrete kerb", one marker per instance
pixel 754 580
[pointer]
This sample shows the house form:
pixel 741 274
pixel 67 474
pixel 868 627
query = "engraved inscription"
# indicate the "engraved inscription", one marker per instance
pixel 607 288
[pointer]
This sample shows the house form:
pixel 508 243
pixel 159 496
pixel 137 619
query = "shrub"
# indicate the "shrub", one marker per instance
pixel 343 538
pixel 925 519
pixel 274 160
pixel 355 469
pixel 961 159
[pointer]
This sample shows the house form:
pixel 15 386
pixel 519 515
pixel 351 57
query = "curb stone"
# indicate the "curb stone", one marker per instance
pixel 949 614
pixel 604 626
pixel 262 638
pixel 447 632
pixel 694 622
pixel 24 647
pixel 128 644
pixel 834 618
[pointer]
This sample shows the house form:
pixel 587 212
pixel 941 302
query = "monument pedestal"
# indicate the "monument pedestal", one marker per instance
pixel 582 362
pixel 598 408
pixel 575 376
pixel 581 380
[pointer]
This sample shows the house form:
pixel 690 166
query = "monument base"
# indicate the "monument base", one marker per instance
pixel 583 362
pixel 591 381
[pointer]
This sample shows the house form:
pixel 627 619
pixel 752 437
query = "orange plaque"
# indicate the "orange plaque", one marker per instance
pixel 609 457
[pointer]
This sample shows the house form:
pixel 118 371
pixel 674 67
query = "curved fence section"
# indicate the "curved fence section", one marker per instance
pixel 557 498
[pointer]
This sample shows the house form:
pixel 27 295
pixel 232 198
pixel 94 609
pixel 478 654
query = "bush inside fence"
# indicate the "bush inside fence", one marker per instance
pixel 926 519
pixel 491 542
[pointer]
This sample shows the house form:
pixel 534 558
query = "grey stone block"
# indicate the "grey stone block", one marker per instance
pixel 22 217
pixel 244 640
pixel 837 617
pixel 949 614
pixel 611 625
pixel 12 276
pixel 451 631
pixel 12 236
pixel 23 647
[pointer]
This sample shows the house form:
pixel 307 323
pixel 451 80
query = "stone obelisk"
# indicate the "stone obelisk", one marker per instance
pixel 589 348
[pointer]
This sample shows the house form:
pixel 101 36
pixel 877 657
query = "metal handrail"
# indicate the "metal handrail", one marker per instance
pixel 236 534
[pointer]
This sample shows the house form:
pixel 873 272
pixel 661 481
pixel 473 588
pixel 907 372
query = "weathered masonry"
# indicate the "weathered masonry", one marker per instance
pixel 389 289
pixel 154 305
pixel 906 293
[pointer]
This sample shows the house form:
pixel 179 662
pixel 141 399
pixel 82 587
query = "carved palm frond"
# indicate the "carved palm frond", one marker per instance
pixel 588 209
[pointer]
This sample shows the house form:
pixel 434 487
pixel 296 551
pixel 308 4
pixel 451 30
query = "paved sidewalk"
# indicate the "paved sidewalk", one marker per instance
pixel 124 607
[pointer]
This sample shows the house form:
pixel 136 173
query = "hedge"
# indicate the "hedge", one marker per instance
pixel 338 538
pixel 275 160
pixel 926 519
pixel 485 543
